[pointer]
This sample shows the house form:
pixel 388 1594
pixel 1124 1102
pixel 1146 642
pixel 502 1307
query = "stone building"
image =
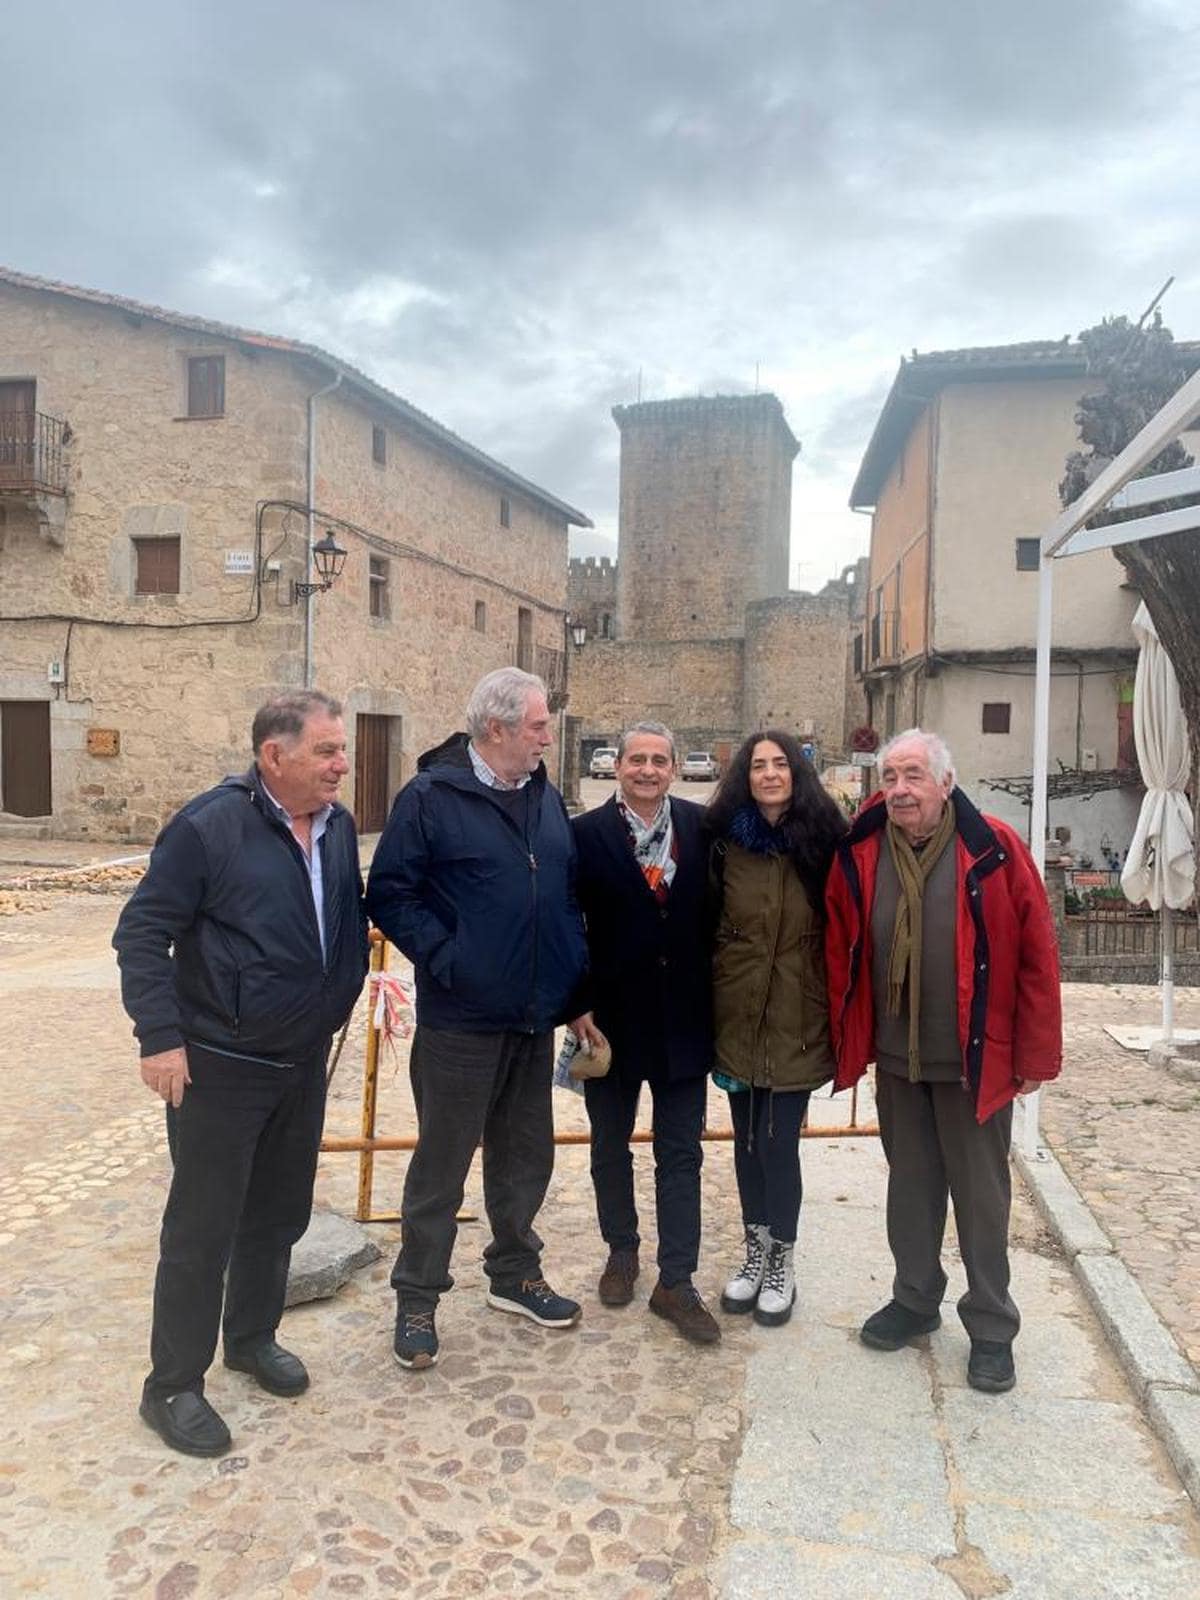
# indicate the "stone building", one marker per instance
pixel 155 471
pixel 705 635
pixel 962 474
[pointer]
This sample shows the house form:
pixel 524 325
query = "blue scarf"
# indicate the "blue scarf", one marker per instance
pixel 751 830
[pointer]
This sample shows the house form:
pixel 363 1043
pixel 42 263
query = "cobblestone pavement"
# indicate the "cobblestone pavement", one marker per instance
pixel 1128 1136
pixel 596 1462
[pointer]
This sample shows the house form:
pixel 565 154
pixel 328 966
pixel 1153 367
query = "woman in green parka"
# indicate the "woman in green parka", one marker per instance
pixel 774 834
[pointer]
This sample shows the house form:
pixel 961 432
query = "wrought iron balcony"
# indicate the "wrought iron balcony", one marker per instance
pixel 31 453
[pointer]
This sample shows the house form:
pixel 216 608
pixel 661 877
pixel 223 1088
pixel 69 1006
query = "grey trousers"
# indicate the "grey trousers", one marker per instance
pixel 473 1088
pixel 935 1149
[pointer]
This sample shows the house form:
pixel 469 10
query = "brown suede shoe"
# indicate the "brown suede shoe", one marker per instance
pixel 616 1281
pixel 682 1305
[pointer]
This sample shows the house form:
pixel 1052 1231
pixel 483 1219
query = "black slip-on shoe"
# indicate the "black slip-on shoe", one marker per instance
pixel 893 1325
pixel 990 1366
pixel 186 1422
pixel 272 1367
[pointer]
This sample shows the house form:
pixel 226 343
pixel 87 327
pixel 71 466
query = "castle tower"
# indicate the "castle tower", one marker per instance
pixel 706 499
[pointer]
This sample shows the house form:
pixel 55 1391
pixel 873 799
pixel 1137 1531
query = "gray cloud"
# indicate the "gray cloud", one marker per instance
pixel 507 209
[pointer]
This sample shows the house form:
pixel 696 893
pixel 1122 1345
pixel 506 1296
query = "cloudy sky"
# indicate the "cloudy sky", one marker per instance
pixel 514 212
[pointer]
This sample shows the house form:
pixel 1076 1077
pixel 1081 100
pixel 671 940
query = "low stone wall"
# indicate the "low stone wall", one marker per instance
pixel 1127 969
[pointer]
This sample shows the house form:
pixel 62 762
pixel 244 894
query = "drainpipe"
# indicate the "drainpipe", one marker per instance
pixel 309 498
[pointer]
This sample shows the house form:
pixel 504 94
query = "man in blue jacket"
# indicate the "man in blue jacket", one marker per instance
pixel 473 879
pixel 242 951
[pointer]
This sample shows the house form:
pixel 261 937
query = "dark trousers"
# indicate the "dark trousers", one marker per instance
pixel 766 1157
pixel 935 1148
pixel 470 1088
pixel 612 1103
pixel 244 1146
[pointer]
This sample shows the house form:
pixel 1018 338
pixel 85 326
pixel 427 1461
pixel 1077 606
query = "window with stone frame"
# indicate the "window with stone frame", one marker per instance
pixel 379 586
pixel 156 566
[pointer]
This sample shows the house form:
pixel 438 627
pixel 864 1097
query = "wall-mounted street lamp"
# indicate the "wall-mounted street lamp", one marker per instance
pixel 578 632
pixel 328 558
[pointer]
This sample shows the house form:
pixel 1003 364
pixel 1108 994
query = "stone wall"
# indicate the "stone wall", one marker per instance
pixel 795 667
pixel 178 677
pixel 705 514
pixel 592 595
pixel 695 687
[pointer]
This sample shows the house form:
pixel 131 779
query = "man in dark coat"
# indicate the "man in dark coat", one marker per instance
pixel 242 951
pixel 473 878
pixel 643 888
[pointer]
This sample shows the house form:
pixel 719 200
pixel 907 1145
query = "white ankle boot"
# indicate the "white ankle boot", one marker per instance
pixel 778 1292
pixel 741 1291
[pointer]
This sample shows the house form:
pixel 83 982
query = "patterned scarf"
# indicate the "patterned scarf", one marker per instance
pixel 653 845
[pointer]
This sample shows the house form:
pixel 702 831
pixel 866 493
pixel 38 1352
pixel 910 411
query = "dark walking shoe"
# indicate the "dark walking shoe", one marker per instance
pixel 990 1367
pixel 535 1299
pixel 682 1305
pixel 272 1367
pixel 186 1422
pixel 894 1325
pixel 617 1279
pixel 416 1343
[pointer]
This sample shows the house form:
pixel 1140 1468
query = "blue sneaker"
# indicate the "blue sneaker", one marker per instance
pixel 416 1342
pixel 535 1299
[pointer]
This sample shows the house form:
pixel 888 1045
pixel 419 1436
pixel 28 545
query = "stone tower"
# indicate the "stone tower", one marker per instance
pixel 706 499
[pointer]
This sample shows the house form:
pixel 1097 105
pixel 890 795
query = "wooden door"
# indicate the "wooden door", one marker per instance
pixel 371 773
pixel 18 429
pixel 25 757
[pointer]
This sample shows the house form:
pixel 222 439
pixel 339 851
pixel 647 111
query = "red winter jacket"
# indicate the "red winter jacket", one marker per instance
pixel 1009 1004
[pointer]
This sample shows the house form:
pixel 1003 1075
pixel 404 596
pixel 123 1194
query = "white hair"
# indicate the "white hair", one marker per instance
pixel 501 696
pixel 659 730
pixel 941 764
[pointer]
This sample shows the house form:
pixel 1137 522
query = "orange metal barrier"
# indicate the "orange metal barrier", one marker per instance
pixel 368 1142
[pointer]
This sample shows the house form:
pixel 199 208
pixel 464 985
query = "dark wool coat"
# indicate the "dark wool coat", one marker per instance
pixel 649 985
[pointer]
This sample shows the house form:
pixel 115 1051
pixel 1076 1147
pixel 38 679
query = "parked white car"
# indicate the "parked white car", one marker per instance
pixel 604 762
pixel 699 767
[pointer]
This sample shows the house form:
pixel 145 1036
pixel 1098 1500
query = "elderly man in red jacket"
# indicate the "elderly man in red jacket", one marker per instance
pixel 943 970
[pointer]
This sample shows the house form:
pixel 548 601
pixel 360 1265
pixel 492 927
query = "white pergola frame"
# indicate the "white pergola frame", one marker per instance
pixel 1068 535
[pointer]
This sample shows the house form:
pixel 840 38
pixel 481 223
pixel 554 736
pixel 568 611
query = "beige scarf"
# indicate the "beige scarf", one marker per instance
pixel 904 961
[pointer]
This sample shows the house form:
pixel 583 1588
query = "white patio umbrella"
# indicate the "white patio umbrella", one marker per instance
pixel 1160 867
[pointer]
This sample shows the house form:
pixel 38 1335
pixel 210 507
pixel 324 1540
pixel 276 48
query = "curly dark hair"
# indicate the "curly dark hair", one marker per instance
pixel 810 827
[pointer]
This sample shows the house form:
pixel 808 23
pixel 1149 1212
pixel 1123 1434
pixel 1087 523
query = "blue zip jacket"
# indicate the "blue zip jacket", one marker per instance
pixel 219 942
pixel 484 909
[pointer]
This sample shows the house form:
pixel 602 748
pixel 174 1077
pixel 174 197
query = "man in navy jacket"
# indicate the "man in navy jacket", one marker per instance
pixel 242 951
pixel 473 879
pixel 643 876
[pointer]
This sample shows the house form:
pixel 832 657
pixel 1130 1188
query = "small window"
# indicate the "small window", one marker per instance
pixel 379 446
pixel 156 566
pixel 206 386
pixel 858 653
pixel 1029 555
pixel 996 716
pixel 505 512
pixel 480 616
pixel 379 587
pixel 524 638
